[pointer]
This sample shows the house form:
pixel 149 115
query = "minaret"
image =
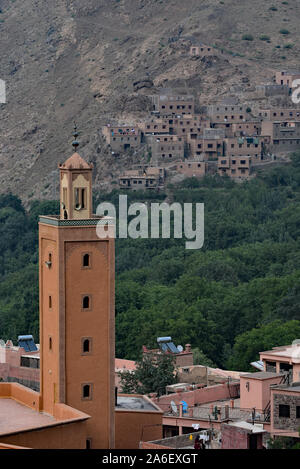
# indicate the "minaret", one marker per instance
pixel 75 186
pixel 77 329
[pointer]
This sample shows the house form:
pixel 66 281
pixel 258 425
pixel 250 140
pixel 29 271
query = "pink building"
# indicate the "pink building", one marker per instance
pixel 21 365
pixel 285 359
pixel 255 389
pixel 242 435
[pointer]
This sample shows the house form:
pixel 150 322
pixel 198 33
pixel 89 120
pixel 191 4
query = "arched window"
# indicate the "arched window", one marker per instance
pixel 86 302
pixel 86 346
pixel 86 390
pixel 50 343
pixel 86 260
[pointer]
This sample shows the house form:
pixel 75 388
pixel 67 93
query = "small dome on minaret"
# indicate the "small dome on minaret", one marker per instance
pixel 76 162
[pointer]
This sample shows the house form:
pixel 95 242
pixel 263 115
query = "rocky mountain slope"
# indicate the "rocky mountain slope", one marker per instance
pixel 96 60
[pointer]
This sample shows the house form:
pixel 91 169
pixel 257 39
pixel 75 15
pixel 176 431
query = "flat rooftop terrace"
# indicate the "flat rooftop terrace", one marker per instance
pixel 134 403
pixel 15 417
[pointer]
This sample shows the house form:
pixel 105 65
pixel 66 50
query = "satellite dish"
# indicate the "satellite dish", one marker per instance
pixel 78 207
pixel 174 407
pixel 2 343
pixel 63 205
pixel 180 348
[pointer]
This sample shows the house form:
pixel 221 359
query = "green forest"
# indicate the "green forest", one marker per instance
pixel 238 295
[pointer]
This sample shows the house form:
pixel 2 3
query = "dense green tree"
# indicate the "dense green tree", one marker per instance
pixel 153 373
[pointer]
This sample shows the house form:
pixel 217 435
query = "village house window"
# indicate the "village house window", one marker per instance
pixel 297 412
pixel 284 410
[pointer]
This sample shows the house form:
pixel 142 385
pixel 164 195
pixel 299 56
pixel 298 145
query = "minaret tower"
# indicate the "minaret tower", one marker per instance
pixel 77 328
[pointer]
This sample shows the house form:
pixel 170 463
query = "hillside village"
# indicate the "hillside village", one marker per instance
pixel 228 138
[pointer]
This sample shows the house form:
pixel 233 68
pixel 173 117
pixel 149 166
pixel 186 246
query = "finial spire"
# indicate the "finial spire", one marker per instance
pixel 75 134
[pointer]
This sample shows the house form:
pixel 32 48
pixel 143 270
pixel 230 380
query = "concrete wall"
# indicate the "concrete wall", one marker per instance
pixel 198 396
pixel 237 438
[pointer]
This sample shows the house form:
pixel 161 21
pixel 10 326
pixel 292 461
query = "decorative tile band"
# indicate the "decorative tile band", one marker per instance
pixel 87 222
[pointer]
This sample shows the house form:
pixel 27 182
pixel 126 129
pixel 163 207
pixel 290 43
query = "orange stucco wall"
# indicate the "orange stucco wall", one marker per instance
pixel 133 427
pixel 67 436
pixel 64 369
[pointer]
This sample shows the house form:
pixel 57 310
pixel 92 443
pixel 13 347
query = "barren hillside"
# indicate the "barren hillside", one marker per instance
pixel 66 60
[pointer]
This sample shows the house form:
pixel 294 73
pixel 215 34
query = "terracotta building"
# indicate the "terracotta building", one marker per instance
pixel 280 114
pixel 167 104
pixel 122 138
pixel 244 146
pixel 286 77
pixel 228 113
pixel 20 365
pixel 188 126
pixel 155 126
pixel 165 147
pixel 183 357
pixel 142 179
pixel 192 168
pixel 236 167
pixel 77 306
pixel 201 50
pixel 284 135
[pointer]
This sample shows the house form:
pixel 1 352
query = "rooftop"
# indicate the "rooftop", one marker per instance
pixel 136 403
pixel 247 426
pixel 75 162
pixel 294 387
pixel 262 375
pixel 18 417
pixel 288 351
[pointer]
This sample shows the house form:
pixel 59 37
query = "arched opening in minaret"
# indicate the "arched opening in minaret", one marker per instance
pixel 86 302
pixel 86 391
pixel 86 260
pixel 86 346
pixel 65 215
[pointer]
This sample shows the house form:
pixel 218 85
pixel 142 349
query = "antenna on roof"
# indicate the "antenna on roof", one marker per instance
pixel 75 134
pixel 174 407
